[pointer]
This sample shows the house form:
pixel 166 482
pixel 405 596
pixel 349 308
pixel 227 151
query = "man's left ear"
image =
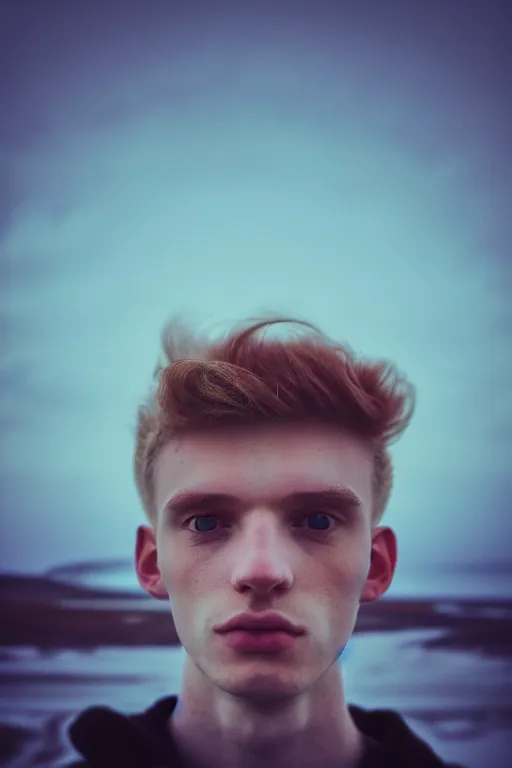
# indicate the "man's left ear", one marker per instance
pixel 383 560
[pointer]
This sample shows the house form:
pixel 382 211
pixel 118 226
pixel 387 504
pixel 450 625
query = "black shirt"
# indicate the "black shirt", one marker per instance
pixel 106 739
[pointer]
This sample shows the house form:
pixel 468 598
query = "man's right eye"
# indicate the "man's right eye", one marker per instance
pixel 202 524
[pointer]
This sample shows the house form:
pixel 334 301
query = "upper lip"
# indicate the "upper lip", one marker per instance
pixel 260 622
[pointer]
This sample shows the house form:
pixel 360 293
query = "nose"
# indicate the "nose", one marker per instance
pixel 262 562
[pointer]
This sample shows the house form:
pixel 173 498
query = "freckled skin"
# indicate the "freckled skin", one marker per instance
pixel 257 559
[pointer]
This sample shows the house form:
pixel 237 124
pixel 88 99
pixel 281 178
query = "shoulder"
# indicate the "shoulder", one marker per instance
pixel 391 740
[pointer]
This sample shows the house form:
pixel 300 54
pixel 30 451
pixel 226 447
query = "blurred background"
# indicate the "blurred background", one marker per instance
pixel 346 163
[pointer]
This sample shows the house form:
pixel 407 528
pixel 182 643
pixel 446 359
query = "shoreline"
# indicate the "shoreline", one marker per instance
pixel 46 614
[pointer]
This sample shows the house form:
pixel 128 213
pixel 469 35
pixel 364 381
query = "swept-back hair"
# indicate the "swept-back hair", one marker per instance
pixel 247 378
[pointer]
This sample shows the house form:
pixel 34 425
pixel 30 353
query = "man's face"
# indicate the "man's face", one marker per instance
pixel 262 547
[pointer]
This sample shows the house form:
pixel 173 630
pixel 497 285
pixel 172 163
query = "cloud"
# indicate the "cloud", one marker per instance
pixel 228 180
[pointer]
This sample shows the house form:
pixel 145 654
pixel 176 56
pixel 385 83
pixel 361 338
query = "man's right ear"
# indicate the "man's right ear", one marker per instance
pixel 146 563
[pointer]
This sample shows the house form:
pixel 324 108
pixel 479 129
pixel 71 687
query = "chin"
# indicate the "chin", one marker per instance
pixel 267 683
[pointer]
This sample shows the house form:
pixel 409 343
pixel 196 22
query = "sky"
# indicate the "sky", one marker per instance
pixel 349 164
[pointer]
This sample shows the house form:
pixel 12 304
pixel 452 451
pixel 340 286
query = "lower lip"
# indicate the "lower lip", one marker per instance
pixel 258 642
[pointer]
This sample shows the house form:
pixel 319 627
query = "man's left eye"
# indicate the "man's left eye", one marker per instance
pixel 320 521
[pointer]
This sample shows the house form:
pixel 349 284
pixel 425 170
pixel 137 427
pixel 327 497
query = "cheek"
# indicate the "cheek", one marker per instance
pixel 358 565
pixel 193 606
pixel 345 582
pixel 173 574
pixel 329 596
pixel 356 557
pixel 171 570
pixel 187 583
pixel 351 564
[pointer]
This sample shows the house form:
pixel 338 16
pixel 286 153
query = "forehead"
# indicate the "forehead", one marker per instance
pixel 262 463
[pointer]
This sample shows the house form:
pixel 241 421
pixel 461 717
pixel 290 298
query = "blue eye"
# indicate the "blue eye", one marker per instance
pixel 200 520
pixel 321 521
pixel 317 522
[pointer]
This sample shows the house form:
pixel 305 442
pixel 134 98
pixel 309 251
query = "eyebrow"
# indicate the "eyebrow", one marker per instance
pixel 187 501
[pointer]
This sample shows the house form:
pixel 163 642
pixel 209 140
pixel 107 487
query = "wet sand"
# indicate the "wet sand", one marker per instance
pixel 40 613
pixel 445 664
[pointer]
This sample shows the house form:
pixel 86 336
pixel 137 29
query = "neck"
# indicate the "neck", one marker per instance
pixel 312 728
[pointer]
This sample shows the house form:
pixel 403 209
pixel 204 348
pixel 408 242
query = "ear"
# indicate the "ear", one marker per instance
pixel 382 564
pixel 146 563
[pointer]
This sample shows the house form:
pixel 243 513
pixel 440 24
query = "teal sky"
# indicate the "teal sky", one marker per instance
pixel 352 171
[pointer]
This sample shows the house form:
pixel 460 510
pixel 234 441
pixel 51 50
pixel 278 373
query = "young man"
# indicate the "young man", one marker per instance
pixel 263 467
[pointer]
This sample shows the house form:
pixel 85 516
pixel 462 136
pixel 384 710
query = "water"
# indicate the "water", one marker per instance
pixel 423 582
pixel 459 703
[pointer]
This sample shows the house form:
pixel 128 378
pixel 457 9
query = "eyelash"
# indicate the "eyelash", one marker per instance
pixel 205 534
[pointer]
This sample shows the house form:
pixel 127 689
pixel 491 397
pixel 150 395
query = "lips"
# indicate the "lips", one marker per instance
pixel 264 642
pixel 265 622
